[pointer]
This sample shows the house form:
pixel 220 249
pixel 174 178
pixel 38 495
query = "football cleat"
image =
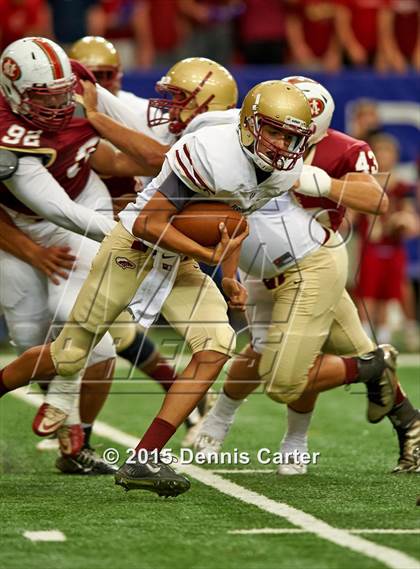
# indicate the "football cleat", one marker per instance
pixel 48 444
pixel 409 443
pixel 70 439
pixel 292 469
pixel 87 461
pixel 207 445
pixel 382 389
pixel 152 476
pixel 48 420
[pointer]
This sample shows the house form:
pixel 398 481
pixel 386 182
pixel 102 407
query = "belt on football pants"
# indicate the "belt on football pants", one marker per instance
pixel 140 246
pixel 278 280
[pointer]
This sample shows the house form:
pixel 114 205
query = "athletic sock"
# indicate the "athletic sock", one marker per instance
pixel 225 407
pixel 296 436
pixel 3 388
pixel 157 435
pixel 364 368
pixel 218 421
pixel 164 374
pixel 87 429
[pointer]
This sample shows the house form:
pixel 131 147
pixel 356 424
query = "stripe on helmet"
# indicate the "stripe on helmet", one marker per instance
pixel 52 57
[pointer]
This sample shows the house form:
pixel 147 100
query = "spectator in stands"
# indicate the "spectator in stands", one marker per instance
pixel 311 35
pixel 208 28
pixel 401 22
pixel 21 18
pixel 262 32
pixel 158 33
pixel 382 277
pixel 361 32
pixel 364 119
pixel 73 19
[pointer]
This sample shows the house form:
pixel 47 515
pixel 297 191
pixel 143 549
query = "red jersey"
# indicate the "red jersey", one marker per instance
pixel 364 20
pixel 64 153
pixel 317 19
pixel 338 154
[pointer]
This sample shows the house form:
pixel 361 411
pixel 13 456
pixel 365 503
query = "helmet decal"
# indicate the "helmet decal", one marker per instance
pixel 11 69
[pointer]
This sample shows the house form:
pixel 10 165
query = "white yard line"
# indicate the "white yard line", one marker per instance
pixel 50 535
pixel 389 557
pixel 268 531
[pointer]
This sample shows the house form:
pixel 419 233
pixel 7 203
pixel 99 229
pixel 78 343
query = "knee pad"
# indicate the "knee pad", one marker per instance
pixel 219 338
pixel 68 361
pixel 70 350
pixel 281 385
pixel 285 393
pixel 139 351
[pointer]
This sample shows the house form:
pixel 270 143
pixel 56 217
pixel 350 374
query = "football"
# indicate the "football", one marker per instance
pixel 200 222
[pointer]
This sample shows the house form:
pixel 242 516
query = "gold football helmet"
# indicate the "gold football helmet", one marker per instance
pixel 283 110
pixel 191 87
pixel 100 57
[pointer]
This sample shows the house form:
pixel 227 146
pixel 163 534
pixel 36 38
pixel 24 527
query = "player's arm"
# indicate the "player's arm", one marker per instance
pixel 55 262
pixel 149 153
pixel 359 191
pixel 234 290
pixel 110 162
pixel 153 224
pixel 34 186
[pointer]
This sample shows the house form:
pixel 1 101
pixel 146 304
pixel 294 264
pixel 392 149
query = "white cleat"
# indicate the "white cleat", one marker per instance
pixel 292 469
pixel 47 445
pixel 207 445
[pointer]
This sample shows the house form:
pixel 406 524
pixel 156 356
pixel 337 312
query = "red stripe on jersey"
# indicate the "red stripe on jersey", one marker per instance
pixel 53 58
pixel 196 174
pixel 185 170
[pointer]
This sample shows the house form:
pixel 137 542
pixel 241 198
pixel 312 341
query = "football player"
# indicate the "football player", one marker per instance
pixel 267 153
pixel 338 155
pixel 57 151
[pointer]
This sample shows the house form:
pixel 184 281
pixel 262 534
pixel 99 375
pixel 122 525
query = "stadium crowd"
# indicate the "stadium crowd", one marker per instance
pixel 313 34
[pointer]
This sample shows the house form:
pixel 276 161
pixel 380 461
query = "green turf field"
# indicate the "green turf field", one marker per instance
pixel 104 527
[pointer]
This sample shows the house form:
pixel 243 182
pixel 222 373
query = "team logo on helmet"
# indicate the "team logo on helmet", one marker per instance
pixel 11 69
pixel 317 107
pixel 125 263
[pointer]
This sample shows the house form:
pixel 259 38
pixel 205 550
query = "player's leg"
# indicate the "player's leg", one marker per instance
pixel 116 273
pixel 349 338
pixel 197 310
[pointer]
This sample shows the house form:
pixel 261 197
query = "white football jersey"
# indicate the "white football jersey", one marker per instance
pixel 212 164
pixel 280 234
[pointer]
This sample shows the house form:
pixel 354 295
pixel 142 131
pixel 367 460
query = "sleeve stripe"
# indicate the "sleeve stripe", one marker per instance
pixel 196 174
pixel 186 172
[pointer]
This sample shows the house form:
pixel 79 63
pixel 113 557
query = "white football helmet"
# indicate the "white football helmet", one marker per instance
pixel 38 83
pixel 320 101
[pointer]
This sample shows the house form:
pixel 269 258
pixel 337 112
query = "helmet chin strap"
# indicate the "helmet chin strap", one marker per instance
pixel 262 165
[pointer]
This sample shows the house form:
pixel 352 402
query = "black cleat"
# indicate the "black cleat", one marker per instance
pixel 152 476
pixel 85 462
pixel 409 442
pixel 381 389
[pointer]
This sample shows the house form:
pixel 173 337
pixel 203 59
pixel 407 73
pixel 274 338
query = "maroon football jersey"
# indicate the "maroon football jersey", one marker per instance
pixel 64 153
pixel 338 154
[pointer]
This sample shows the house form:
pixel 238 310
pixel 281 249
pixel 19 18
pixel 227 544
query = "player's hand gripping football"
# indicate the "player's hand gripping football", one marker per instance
pixel 55 262
pixel 227 245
